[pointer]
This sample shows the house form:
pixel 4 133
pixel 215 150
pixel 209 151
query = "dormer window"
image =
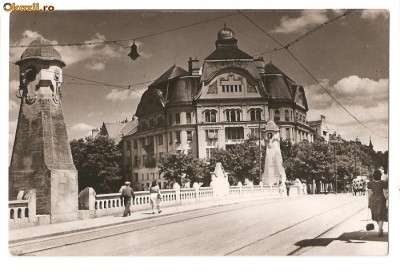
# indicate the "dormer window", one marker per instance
pixel 277 115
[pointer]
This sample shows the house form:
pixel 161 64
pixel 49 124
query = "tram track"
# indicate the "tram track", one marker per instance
pixel 81 237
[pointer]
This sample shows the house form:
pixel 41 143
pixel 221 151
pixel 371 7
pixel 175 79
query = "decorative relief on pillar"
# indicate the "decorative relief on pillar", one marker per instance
pixel 213 88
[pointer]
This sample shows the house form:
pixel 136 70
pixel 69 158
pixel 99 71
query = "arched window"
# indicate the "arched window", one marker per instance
pixel 277 115
pixel 177 118
pixel 233 115
pixel 188 118
pixel 287 117
pixel 255 114
pixel 210 116
pixel 297 117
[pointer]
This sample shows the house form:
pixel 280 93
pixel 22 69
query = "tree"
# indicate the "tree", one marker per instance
pixel 98 163
pixel 241 161
pixel 174 165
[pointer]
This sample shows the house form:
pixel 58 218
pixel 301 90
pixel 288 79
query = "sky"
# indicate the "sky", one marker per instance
pixel 349 56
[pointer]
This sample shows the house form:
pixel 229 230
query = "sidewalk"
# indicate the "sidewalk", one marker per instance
pixel 44 231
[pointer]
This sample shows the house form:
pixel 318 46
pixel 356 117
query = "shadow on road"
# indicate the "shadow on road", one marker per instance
pixel 349 237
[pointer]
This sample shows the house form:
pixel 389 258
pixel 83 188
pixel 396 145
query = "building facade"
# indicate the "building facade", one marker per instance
pixel 217 106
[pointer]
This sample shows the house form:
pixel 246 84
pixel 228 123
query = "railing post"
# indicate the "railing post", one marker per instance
pixel 177 189
pixel 196 186
pixel 240 188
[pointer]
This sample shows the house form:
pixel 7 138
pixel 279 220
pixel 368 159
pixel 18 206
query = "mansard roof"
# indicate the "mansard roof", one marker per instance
pixel 231 52
pixel 173 72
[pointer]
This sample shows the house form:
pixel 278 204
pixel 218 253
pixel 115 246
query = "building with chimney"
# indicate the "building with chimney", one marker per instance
pixel 216 106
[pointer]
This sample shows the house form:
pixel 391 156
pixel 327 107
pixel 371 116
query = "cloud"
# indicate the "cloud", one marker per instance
pixel 80 130
pixel 122 95
pixel 96 66
pixel 307 19
pixel 352 90
pixel 364 98
pixel 372 14
pixel 96 53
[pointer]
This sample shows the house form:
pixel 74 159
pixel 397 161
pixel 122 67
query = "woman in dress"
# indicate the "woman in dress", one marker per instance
pixel 377 196
pixel 154 199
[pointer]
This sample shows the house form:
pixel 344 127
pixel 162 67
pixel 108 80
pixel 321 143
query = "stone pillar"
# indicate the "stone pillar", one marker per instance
pixel 219 181
pixel 273 168
pixel 41 157
pixel 87 199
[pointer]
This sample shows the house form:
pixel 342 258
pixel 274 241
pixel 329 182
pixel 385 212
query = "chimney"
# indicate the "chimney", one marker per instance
pixel 194 68
pixel 95 132
pixel 260 64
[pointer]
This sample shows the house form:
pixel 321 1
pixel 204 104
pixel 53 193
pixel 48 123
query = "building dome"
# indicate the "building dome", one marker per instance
pixel 41 49
pixel 226 33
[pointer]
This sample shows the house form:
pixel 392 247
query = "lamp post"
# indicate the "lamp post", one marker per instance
pixel 335 139
pixel 356 142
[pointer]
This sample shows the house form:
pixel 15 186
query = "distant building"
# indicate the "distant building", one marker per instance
pixel 216 106
pixel 321 129
pixel 116 130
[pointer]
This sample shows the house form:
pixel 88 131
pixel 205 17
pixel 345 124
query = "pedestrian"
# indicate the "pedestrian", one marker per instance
pixel 127 195
pixel 281 188
pixel 377 197
pixel 287 183
pixel 155 196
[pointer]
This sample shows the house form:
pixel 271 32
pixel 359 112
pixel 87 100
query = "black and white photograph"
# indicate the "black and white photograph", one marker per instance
pixel 199 132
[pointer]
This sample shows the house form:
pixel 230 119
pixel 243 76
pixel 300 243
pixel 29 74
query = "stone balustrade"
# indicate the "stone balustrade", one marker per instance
pixel 22 212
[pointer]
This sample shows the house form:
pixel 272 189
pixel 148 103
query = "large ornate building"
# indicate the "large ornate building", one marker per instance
pixel 217 106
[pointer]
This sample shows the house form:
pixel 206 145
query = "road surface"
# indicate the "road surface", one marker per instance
pixel 310 225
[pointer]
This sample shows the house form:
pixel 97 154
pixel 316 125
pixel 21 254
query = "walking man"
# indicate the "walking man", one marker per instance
pixel 127 194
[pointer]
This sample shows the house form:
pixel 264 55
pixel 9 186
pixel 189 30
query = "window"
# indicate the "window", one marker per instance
pixel 177 136
pixel 152 124
pixel 233 115
pixel 212 134
pixel 255 114
pixel 142 142
pixel 170 137
pixel 188 118
pixel 255 132
pixel 147 175
pixel 128 146
pixel 177 118
pixel 277 115
pixel 231 88
pixel 135 161
pixel 142 176
pixel 189 135
pixel 211 116
pixel 144 159
pixel 134 144
pixel 288 133
pixel 169 119
pixel 234 133
pixel 160 139
pixel 159 121
pixel 287 117
pixel 143 125
pixel 160 155
pixel 297 116
pixel 209 152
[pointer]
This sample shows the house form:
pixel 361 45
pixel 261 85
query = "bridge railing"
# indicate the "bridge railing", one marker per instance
pixel 22 212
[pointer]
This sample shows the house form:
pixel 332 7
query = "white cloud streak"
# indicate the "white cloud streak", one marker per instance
pixel 122 95
pixel 307 20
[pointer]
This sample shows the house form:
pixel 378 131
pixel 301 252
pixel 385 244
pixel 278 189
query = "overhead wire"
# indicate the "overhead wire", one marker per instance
pixel 305 35
pixel 308 72
pixel 126 40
